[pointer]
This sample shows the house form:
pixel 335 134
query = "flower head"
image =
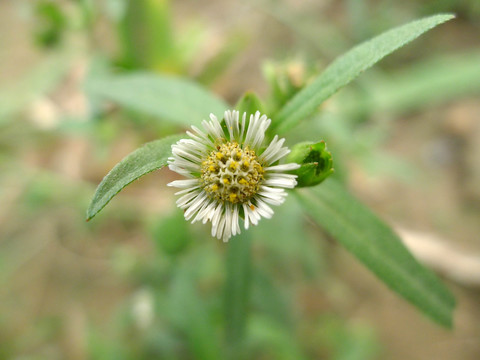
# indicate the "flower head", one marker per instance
pixel 231 173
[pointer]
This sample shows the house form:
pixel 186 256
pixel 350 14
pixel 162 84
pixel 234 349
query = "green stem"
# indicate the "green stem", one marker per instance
pixel 237 286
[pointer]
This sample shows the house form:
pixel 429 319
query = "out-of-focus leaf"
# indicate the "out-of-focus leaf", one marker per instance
pixel 173 99
pixel 432 81
pixel 271 299
pixel 287 257
pixel 273 341
pixel 148 158
pixel 115 9
pixel 50 23
pixel 347 341
pixel 100 347
pixel 220 62
pixel 38 81
pixel 378 248
pixel 237 293
pixel 190 313
pixel 147 36
pixel 348 67
pixel 171 234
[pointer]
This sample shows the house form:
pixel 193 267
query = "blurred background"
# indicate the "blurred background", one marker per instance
pixel 138 282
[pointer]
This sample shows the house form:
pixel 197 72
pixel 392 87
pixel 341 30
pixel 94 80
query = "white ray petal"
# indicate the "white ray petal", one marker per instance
pixel 283 167
pixel 184 184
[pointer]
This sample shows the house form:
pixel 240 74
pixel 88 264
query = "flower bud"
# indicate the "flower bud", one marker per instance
pixel 315 160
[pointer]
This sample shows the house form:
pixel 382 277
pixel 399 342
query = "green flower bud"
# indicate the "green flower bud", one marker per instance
pixel 315 160
pixel 250 103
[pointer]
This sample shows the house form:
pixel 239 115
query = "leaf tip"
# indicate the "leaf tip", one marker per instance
pixel 445 16
pixel 90 215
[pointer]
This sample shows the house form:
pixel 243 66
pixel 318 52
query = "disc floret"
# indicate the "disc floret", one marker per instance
pixel 232 174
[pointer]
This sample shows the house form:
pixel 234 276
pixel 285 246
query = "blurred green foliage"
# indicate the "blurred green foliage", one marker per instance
pixel 171 234
pixel 51 23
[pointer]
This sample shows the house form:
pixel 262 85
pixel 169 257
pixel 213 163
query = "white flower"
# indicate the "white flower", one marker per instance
pixel 231 174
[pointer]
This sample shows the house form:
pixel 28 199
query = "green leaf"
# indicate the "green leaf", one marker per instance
pixel 173 99
pixel 377 247
pixel 347 67
pixel 152 156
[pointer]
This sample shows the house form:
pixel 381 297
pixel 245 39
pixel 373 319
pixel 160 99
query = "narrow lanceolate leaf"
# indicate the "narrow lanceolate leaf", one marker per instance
pixel 347 67
pixel 152 156
pixel 378 248
pixel 173 99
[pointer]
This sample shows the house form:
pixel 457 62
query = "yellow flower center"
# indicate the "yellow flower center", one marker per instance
pixel 231 173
